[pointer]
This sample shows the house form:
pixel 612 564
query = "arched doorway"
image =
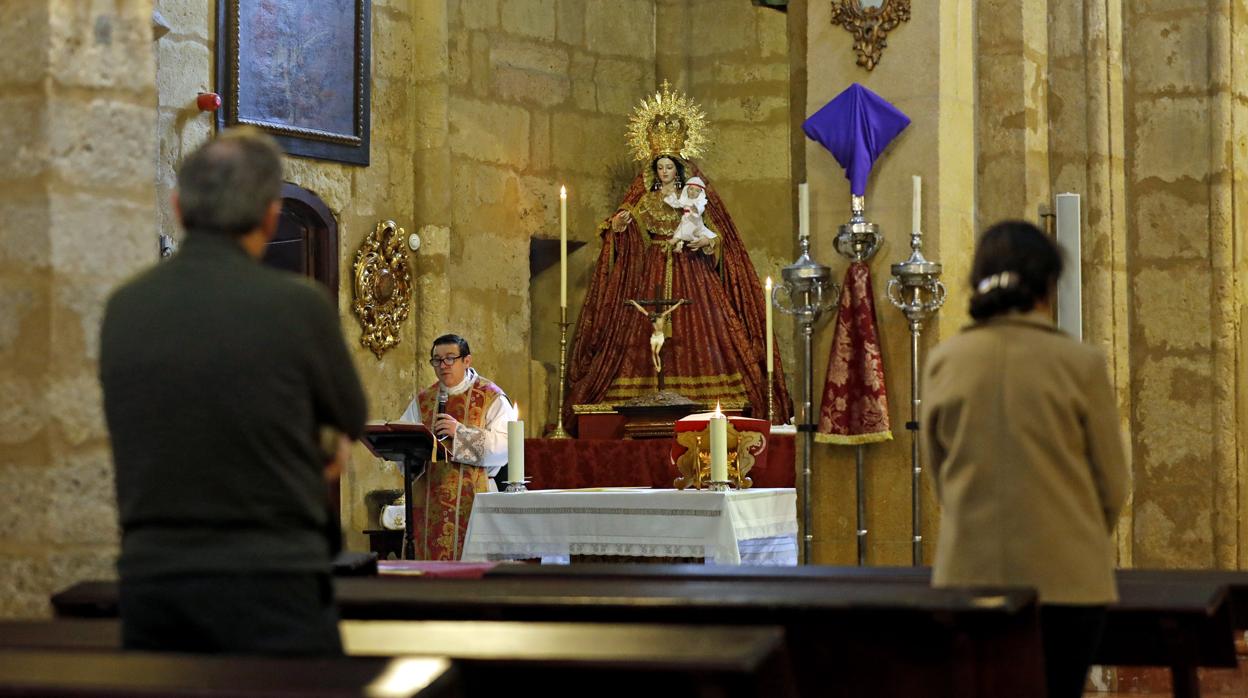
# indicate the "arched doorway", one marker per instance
pixel 307 238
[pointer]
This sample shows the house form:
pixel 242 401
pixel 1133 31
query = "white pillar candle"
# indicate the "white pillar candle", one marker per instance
pixel 803 210
pixel 515 449
pixel 770 343
pixel 563 247
pixel 719 446
pixel 916 204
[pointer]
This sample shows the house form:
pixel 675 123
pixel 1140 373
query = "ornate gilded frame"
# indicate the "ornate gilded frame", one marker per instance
pixel 383 286
pixel 299 69
pixel 870 25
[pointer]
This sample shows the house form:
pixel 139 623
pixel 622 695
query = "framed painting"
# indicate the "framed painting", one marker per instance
pixel 299 69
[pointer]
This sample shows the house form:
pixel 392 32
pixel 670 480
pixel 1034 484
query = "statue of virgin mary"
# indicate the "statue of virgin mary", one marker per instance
pixel 714 349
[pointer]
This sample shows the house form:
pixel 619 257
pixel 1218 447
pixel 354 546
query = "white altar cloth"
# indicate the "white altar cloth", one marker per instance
pixel 755 526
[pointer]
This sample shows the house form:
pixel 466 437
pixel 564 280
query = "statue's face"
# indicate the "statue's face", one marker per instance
pixel 666 169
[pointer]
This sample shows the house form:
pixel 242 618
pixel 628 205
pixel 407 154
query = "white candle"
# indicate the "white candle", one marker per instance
pixel 563 247
pixel 916 205
pixel 719 446
pixel 803 210
pixel 770 344
pixel 515 448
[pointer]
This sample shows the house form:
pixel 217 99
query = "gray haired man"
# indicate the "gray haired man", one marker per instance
pixel 219 374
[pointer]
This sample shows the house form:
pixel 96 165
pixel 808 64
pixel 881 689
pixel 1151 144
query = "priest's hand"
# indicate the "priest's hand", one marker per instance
pixel 445 426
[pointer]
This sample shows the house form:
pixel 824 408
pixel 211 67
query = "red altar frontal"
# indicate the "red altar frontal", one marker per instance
pixel 573 463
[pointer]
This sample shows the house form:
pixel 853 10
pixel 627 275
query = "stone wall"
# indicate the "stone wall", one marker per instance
pixel 538 93
pixel 77 91
pixel 1183 167
pixel 1145 120
pixel 358 197
pixel 926 72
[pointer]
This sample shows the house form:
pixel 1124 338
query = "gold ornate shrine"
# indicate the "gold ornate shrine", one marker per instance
pixel 870 21
pixel 383 286
pixel 747 439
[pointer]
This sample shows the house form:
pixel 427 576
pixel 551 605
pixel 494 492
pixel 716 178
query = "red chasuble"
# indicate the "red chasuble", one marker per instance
pixel 450 487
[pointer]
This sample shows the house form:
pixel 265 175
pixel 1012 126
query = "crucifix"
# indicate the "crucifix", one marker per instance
pixel 658 320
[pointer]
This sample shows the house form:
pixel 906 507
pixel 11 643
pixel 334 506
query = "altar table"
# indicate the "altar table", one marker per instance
pixel 754 526
pixel 568 463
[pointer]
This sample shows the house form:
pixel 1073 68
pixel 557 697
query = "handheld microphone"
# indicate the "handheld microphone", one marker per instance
pixel 441 409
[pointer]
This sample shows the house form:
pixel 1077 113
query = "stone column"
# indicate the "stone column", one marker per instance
pixel 1181 173
pixel 926 71
pixel 1012 109
pixel 1085 113
pixel 77 113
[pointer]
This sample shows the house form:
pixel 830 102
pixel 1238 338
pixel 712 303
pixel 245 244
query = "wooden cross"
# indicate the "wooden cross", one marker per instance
pixel 658 320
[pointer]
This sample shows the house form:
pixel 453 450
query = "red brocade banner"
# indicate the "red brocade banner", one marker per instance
pixel 855 400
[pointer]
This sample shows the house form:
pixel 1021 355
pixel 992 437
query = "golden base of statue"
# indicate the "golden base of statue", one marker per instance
pixel 654 416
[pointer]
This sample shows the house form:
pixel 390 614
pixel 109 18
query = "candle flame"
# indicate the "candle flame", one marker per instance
pixel 563 192
pixel 769 283
pixel 517 411
pixel 717 412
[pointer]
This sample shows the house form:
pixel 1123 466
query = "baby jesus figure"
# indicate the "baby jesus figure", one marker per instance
pixel 692 200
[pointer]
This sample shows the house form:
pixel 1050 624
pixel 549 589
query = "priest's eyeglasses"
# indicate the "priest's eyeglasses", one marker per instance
pixel 444 360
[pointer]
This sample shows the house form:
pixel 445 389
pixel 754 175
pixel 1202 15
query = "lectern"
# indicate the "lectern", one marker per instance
pixel 409 444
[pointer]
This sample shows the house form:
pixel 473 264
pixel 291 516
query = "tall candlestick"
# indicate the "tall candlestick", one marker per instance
pixel 563 247
pixel 771 351
pixel 719 446
pixel 916 206
pixel 803 210
pixel 770 343
pixel 515 449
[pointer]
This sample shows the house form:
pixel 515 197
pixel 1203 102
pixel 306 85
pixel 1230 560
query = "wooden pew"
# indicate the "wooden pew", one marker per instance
pixel 933 642
pixel 94 673
pixel 563 658
pixel 854 639
pixel 1181 619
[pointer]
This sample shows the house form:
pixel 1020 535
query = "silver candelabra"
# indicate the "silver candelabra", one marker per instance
pixel 916 290
pixel 807 291
pixel 858 241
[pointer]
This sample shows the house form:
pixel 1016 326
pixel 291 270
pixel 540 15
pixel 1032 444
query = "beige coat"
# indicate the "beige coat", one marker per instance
pixel 1020 432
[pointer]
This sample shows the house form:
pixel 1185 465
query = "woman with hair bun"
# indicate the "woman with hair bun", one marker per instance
pixel 1021 428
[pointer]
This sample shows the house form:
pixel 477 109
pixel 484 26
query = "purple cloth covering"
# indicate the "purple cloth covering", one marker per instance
pixel 856 126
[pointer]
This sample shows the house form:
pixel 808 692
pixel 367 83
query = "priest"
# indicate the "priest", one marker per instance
pixel 468 413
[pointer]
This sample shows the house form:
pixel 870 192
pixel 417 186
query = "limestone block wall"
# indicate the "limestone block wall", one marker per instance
pixel 926 72
pixel 733 57
pixel 1086 156
pixel 358 197
pixel 77 97
pixel 1142 102
pixel 535 95
pixel 1183 259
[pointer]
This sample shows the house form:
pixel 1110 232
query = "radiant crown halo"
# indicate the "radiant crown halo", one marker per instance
pixel 669 123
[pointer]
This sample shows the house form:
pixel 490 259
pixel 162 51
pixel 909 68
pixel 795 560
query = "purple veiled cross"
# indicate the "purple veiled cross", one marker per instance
pixel 856 126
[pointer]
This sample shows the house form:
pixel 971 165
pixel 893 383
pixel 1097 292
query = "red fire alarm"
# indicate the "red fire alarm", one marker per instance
pixel 208 101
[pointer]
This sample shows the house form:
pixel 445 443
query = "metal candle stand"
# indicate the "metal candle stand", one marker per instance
pixel 808 292
pixel 858 241
pixel 916 290
pixel 560 432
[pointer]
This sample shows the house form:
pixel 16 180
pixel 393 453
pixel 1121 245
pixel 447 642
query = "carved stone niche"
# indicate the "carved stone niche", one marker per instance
pixel 870 21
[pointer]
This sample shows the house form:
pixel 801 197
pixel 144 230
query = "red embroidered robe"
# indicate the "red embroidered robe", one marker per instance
pixel 450 487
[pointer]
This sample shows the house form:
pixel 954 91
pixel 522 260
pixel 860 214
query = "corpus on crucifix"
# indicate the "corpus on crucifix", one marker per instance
pixel 658 321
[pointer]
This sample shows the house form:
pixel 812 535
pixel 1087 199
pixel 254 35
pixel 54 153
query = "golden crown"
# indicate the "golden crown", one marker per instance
pixel 669 123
